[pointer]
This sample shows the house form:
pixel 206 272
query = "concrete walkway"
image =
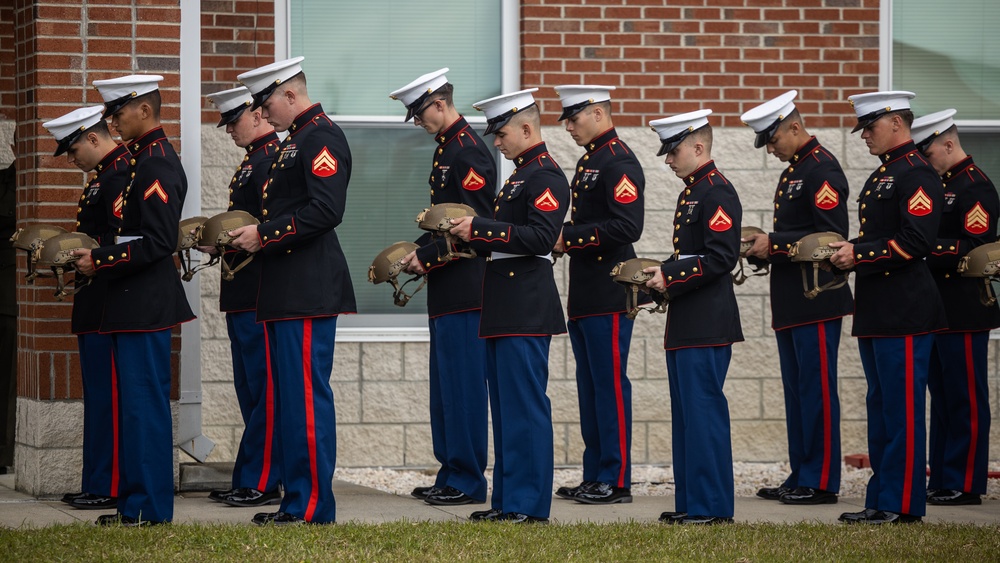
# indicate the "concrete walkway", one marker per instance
pixel 361 504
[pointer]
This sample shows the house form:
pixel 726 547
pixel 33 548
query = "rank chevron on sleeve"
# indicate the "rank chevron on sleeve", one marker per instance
pixel 720 222
pixel 547 201
pixel 920 203
pixel 625 191
pixel 827 197
pixel 324 165
pixel 473 180
pixel 157 189
pixel 977 220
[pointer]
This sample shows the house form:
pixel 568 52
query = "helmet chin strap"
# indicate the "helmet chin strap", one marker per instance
pixel 399 297
pixel 739 276
pixel 838 281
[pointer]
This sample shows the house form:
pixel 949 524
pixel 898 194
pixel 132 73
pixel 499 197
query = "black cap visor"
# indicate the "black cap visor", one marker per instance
pixel 869 118
pixel 497 123
pixel 112 107
pixel 570 111
pixel 260 97
pixel 66 142
pixel 232 115
pixel 418 106
pixel 764 136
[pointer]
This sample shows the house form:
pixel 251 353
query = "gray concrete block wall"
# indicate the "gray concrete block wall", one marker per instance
pixel 381 387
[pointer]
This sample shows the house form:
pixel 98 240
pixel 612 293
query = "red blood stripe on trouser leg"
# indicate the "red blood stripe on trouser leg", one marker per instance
pixel 824 373
pixel 619 402
pixel 310 416
pixel 970 371
pixel 908 397
pixel 265 472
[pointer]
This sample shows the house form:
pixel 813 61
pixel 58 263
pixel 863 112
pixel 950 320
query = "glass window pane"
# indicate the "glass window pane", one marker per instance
pixel 985 150
pixel 358 52
pixel 389 173
pixel 945 52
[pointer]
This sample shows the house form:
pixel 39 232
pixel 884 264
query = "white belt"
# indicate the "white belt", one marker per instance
pixel 683 256
pixel 120 240
pixel 504 256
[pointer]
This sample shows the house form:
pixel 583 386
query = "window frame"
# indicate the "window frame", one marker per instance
pixel 408 327
pixel 885 70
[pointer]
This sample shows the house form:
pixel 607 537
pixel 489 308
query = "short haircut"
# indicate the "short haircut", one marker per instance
pixel 446 93
pixel 529 115
pixel 151 98
pixel 605 105
pixel 101 128
pixel 701 135
pixel 791 118
pixel 905 114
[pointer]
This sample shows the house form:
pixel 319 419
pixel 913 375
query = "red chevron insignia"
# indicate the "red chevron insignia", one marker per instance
pixel 119 203
pixel 920 203
pixel 473 181
pixel 977 220
pixel 827 198
pixel 720 222
pixel 547 201
pixel 157 189
pixel 625 191
pixel 324 165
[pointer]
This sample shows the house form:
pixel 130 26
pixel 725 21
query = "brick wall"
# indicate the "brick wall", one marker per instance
pixel 236 36
pixel 60 49
pixel 668 57
pixel 50 54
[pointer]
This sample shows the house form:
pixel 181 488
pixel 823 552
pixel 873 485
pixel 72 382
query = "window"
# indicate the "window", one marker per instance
pixel 946 53
pixel 356 53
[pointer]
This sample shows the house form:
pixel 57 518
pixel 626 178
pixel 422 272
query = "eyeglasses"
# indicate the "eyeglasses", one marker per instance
pixel 416 116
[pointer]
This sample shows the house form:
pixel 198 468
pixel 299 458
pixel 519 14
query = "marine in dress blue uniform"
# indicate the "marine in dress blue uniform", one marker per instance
pixel 521 308
pixel 304 284
pixel 897 305
pixel 145 299
pixel 811 197
pixel 606 218
pixel 703 320
pixel 463 171
pixel 83 135
pixel 957 381
pixel 255 473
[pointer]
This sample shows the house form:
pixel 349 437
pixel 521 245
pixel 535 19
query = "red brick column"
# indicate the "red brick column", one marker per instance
pixel 60 48
pixel 236 36
pixel 671 57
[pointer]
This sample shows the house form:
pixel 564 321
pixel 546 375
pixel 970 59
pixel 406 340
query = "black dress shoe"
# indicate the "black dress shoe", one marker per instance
pixel 570 493
pixel 947 497
pixel 422 492
pixel 518 518
pixel 119 519
pixel 672 517
pixel 705 520
pixel 807 495
pixel 70 497
pixel 251 497
pixel 886 517
pixel 94 502
pixel 603 493
pixel 486 515
pixel 773 493
pixel 450 496
pixel 934 492
pixel 277 518
pixel 219 493
pixel 856 517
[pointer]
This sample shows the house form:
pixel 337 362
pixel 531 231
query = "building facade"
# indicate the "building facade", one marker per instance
pixel 664 57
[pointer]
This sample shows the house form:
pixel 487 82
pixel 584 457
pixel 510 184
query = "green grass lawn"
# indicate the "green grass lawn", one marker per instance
pixel 404 541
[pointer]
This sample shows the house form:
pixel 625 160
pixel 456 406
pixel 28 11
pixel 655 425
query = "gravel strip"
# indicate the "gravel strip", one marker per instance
pixel 647 480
